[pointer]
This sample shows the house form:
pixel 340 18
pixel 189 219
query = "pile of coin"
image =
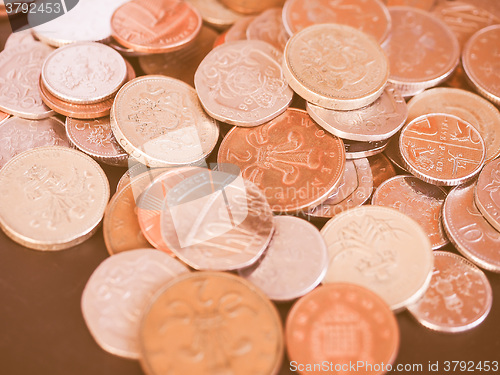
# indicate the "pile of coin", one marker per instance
pixel 336 125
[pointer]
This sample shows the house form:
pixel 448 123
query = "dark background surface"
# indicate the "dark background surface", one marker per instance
pixel 42 331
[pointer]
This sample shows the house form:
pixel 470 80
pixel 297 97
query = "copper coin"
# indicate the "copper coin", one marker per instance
pixel 294 263
pixel 335 66
pixel 442 149
pixel 375 122
pixel 468 106
pixel 207 321
pixel 393 153
pixel 95 138
pixel 417 199
pixel 358 150
pixel 118 291
pixel 341 325
pixel 295 162
pixel 268 27
pixel 242 83
pixel 369 16
pixel 422 50
pixel 221 39
pixel 181 64
pixel 354 190
pixel 159 121
pixel 459 79
pixel 18 135
pixel 459 296
pixel 212 225
pixel 20 68
pixel 487 194
pixel 382 169
pixel 480 61
pixel 239 30
pixel 421 4
pixel 19 38
pixel 3 117
pixel 469 231
pixel 252 6
pixel 215 14
pixel 464 19
pixel 124 51
pixel 156 26
pixel 137 170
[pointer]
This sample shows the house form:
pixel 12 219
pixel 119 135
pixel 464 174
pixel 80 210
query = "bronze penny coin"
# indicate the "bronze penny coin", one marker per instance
pixel 294 161
pixel 342 324
pixel 422 50
pixel 417 199
pixel 369 16
pixel 469 231
pixel 382 169
pixel 252 6
pixel 136 171
pixel 421 4
pixel 358 150
pixel 480 61
pixel 156 26
pixel 459 296
pixel 487 194
pixel 208 321
pixel 442 149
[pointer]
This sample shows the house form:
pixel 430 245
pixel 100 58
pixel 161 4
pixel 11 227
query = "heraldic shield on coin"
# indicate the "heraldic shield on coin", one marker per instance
pixel 39 11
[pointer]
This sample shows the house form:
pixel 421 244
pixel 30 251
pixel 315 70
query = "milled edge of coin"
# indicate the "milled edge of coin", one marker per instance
pixel 371 149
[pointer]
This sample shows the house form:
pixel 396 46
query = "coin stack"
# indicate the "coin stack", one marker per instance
pixel 346 181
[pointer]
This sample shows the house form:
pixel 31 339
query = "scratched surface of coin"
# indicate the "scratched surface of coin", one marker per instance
pixel 375 122
pixel 469 231
pixel 215 322
pixel 242 83
pixel 118 291
pixel 18 135
pixel 268 27
pixel 480 62
pixel 342 324
pixel 335 66
pixel 293 160
pixel 20 67
pixel 487 194
pixel 159 121
pixel 417 199
pixel 422 50
pixel 155 26
pixel 442 149
pixel 381 249
pixel 84 73
pixel 468 106
pixel 369 16
pixel 355 189
pixel 58 194
pixel 382 169
pixel 215 13
pixel 294 263
pixel 459 296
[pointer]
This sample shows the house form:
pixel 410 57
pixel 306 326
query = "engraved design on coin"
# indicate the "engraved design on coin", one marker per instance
pixel 487 196
pixel 268 27
pixel 118 291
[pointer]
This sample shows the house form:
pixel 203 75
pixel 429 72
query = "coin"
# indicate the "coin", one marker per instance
pixel 442 149
pixel 294 263
pixel 375 122
pixel 20 67
pixel 58 194
pixel 137 170
pixel 159 122
pixel 421 4
pixel 487 193
pixel 469 231
pixel 335 66
pixel 417 199
pixel 369 16
pixel 268 27
pixel 339 325
pixel 480 59
pixel 124 51
pixel 156 26
pixel 251 6
pixel 459 79
pixel 18 135
pixel 354 190
pixel 117 292
pixel 459 296
pixel 226 230
pixel 19 38
pixel 242 83
pixel 295 162
pixel 422 50
pixel 358 150
pixel 382 169
pixel 84 73
pixel 468 106
pixel 181 64
pixel 239 30
pixel 3 117
pixel 215 14
pixel 381 249
pixel 95 138
pixel 393 153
